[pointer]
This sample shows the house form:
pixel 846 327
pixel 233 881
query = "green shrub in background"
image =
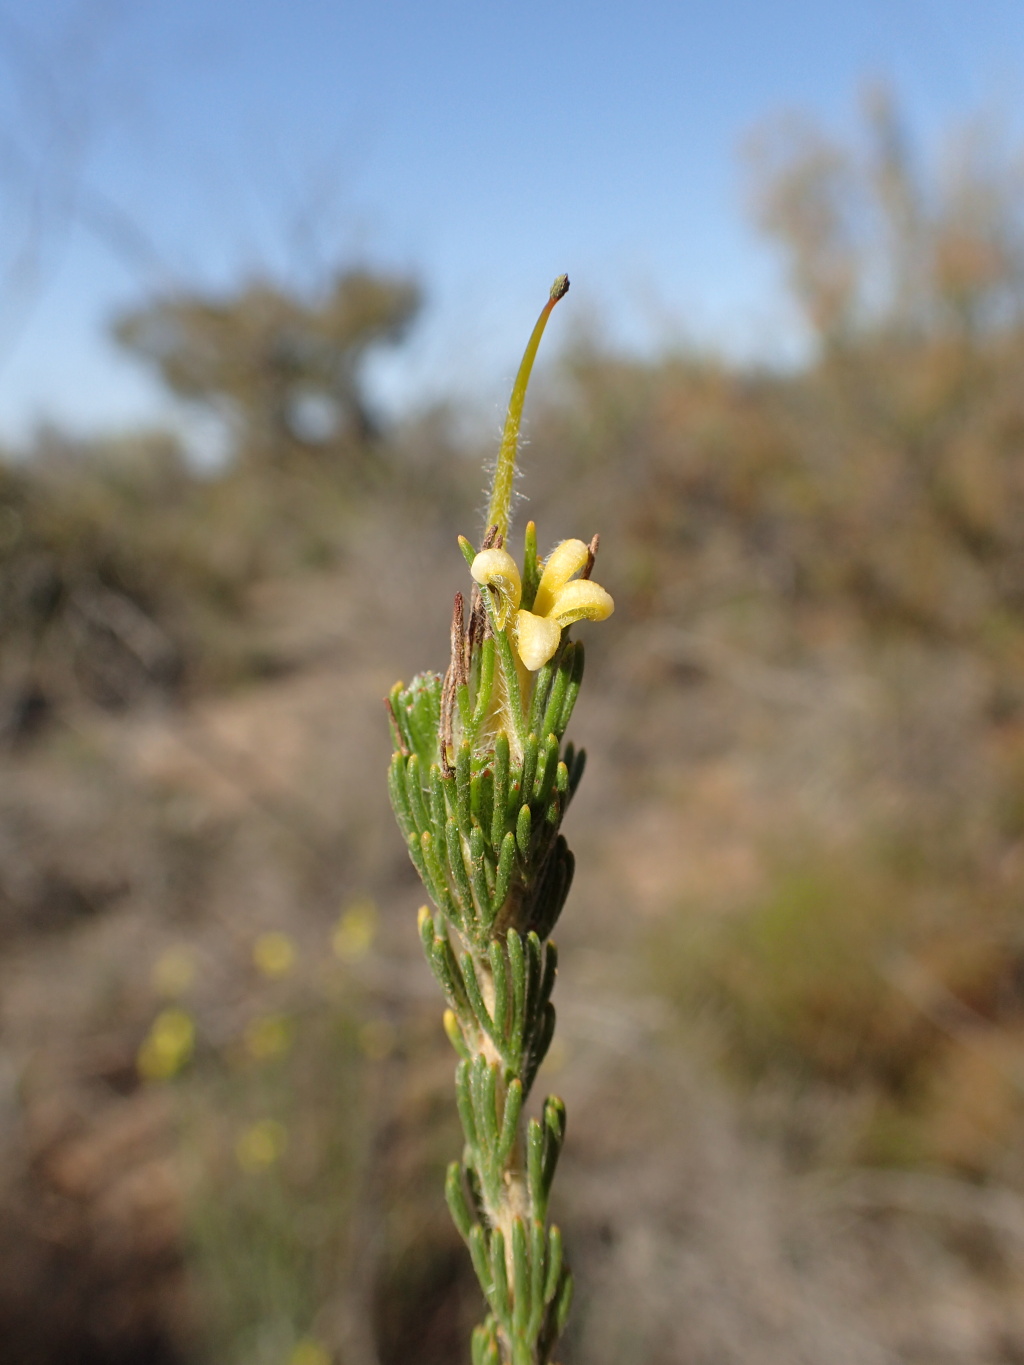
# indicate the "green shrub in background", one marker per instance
pixel 857 971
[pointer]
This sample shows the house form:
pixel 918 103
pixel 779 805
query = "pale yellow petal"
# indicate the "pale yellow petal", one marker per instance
pixel 537 638
pixel 581 600
pixel 560 565
pixel 496 569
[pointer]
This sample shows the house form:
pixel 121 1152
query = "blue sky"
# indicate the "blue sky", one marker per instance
pixel 484 146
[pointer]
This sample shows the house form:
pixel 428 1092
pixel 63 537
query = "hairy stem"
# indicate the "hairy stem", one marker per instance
pixel 499 510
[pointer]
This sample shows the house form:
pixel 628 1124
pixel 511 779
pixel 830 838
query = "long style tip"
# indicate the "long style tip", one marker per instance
pixel 499 511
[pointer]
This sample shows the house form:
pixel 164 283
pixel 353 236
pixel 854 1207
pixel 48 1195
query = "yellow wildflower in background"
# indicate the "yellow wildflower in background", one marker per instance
pixel 168 1045
pixel 355 931
pixel 269 1036
pixel 260 1146
pixel 274 954
pixel 309 1351
pixel 174 971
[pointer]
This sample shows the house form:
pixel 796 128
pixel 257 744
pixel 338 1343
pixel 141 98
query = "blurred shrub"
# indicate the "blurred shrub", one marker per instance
pixel 285 371
pixel 106 582
pixel 890 972
pixel 124 571
pixel 800 979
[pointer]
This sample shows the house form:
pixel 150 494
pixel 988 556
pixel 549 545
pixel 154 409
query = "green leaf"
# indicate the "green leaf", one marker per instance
pixel 457 867
pixel 450 978
pixel 503 876
pixel 521 1284
pixel 414 790
pixel 499 1280
pixel 453 1028
pixel 572 691
pixel 511 676
pixel 399 796
pixel 500 793
pixel 546 762
pixel 485 683
pixel 537 1261
pixel 478 1250
pixel 547 983
pixel 438 812
pixel 485 1344
pixel 419 863
pixel 530 749
pixel 420 711
pixel 456 1196
pixel 534 960
pixel 541 692
pixel 554 1137
pixel 554 1263
pixel 483 804
pixel 563 1303
pixel 540 1044
pixel 531 569
pixel 464 1102
pixel 464 705
pixel 499 973
pixel 551 894
pixel 476 999
pixel 550 721
pixel 468 553
pixel 395 717
pixel 463 788
pixel 426 927
pixel 517 966
pixel 484 1083
pixel 523 825
pixel 442 896
pixel 478 875
pixel 535 1169
pixel 510 1120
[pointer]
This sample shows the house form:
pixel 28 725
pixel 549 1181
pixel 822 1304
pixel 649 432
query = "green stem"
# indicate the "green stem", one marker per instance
pixel 499 511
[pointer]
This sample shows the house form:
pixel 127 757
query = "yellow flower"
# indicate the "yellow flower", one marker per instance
pixel 355 931
pixel 274 954
pixel 561 598
pixel 174 972
pixel 309 1351
pixel 269 1037
pixel 497 570
pixel 168 1045
pixel 261 1145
